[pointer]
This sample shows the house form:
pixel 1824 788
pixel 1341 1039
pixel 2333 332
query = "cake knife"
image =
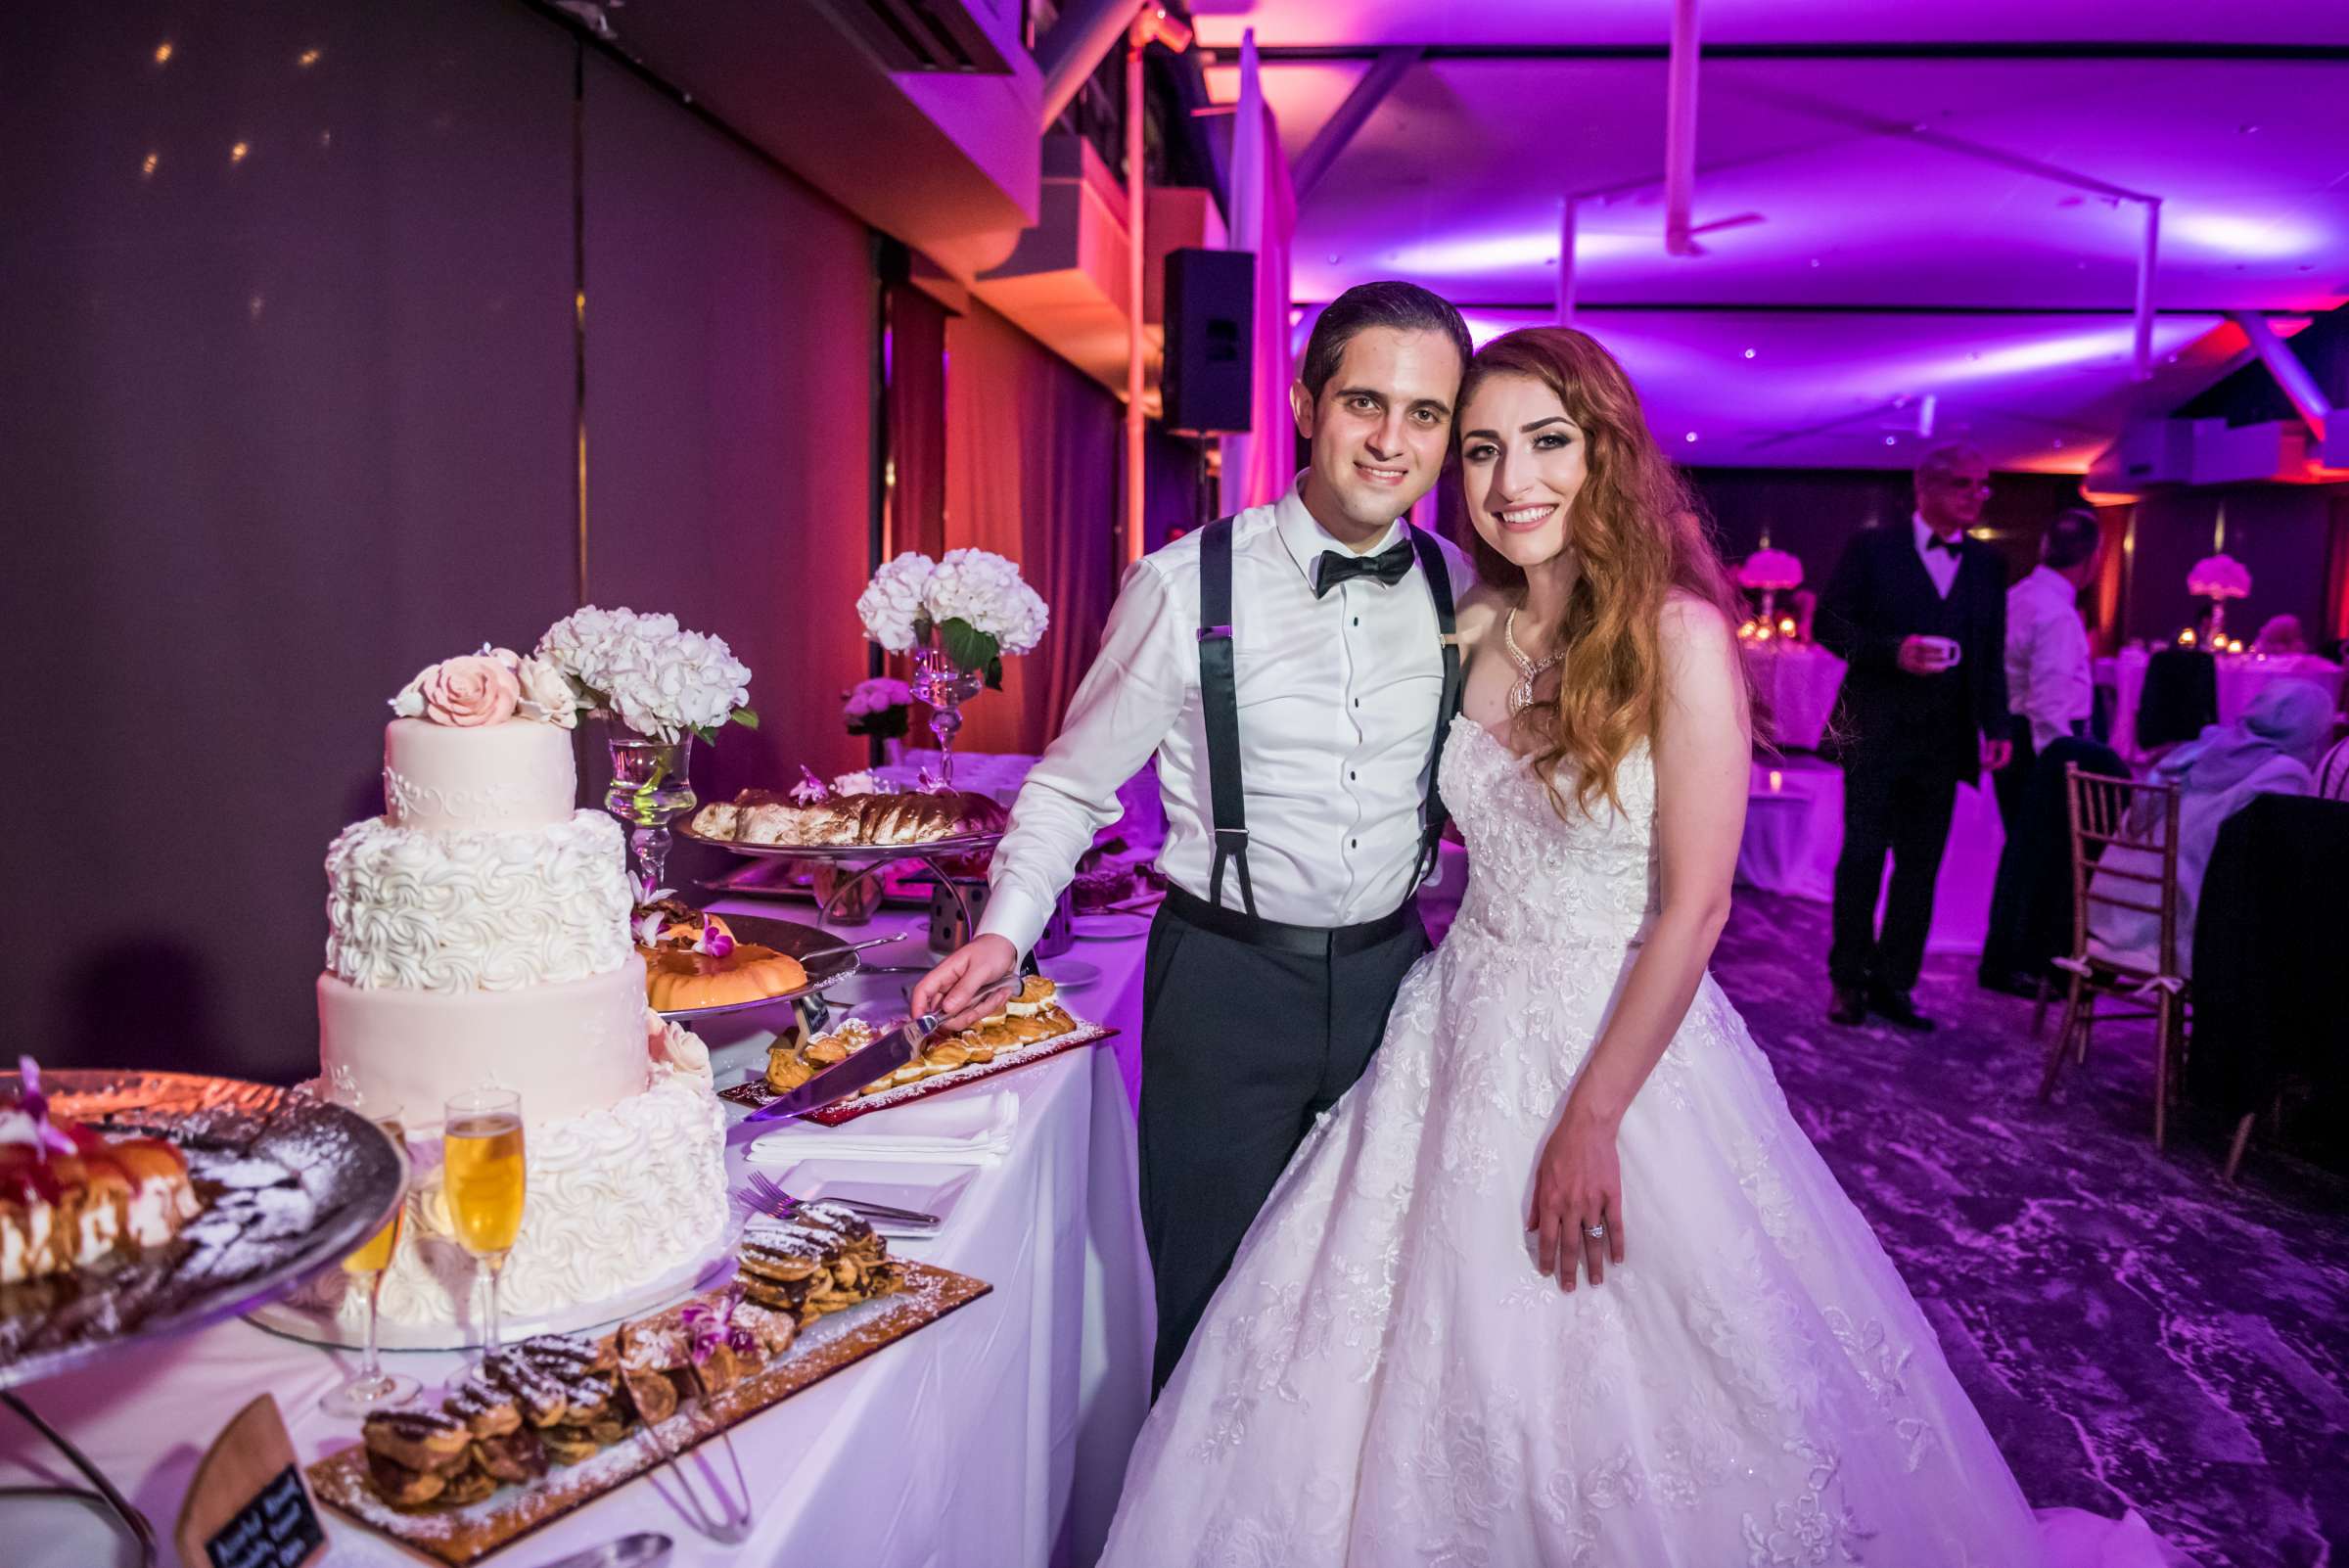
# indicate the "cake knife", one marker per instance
pixel 891 1050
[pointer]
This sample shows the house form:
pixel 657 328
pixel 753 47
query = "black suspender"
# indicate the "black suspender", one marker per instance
pixel 1439 584
pixel 1220 704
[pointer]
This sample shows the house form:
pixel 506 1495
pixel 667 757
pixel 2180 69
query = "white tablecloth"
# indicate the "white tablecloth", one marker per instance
pixel 2240 676
pixel 1797 682
pixel 1794 833
pixel 996 1436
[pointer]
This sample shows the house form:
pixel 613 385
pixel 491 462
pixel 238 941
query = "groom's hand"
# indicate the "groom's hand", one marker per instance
pixel 953 986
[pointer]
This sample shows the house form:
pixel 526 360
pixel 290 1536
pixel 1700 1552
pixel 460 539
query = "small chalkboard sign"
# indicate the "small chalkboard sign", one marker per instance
pixel 250 1505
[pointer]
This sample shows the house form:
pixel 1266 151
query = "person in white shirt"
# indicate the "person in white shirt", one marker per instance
pixel 1292 668
pixel 2051 690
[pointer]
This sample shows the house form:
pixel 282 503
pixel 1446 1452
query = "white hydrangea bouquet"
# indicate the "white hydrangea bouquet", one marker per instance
pixel 972 606
pixel 649 674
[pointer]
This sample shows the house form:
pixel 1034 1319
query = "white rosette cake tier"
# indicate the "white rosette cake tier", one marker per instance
pixel 478 938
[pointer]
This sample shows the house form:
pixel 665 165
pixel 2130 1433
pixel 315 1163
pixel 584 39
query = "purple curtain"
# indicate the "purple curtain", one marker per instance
pixel 1032 473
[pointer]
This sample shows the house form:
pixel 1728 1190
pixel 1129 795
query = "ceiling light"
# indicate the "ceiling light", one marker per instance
pixel 1691 436
pixel 162 53
pixel 1890 439
pixel 2060 443
pixel 1749 353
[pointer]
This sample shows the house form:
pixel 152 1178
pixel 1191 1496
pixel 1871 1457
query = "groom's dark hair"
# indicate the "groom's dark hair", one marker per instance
pixel 1403 306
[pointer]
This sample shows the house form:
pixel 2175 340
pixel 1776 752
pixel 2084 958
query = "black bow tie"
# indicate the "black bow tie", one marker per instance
pixel 1331 568
pixel 1937 542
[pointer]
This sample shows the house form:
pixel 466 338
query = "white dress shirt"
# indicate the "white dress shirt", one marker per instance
pixel 1942 565
pixel 1337 705
pixel 2048 679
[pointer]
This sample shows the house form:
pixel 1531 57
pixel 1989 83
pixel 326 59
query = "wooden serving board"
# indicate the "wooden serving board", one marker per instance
pixel 755 1092
pixel 463 1536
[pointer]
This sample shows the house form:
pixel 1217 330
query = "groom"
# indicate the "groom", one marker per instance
pixel 1293 671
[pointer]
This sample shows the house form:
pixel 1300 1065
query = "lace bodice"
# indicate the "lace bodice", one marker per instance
pixel 1536 876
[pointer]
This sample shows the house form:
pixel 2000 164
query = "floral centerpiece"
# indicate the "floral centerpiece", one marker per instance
pixel 958 617
pixel 657 686
pixel 1772 571
pixel 2218 579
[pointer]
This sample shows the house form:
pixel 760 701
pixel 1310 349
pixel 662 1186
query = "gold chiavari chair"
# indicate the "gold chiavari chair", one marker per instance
pixel 2139 821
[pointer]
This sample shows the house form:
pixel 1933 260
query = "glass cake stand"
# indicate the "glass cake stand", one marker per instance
pixel 931 854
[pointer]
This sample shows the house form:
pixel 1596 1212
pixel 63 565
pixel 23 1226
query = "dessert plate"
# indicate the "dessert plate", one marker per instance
pixel 792 939
pixel 960 843
pixel 1111 925
pixel 931 1189
pixel 1073 974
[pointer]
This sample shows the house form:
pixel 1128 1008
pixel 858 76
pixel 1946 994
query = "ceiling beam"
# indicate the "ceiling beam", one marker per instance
pixel 1069 54
pixel 2187 54
pixel 2290 371
pixel 1386 68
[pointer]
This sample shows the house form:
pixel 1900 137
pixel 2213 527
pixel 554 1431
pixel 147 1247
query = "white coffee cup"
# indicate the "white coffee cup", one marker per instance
pixel 1942 653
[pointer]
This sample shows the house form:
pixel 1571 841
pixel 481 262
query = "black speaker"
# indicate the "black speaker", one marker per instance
pixel 1210 313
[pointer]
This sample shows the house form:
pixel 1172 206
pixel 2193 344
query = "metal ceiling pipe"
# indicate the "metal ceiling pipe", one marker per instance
pixel 2290 371
pixel 1568 211
pixel 1680 132
pixel 2146 258
pixel 1075 48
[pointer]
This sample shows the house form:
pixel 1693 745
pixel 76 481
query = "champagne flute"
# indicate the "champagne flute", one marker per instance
pixel 371 1387
pixel 482 1173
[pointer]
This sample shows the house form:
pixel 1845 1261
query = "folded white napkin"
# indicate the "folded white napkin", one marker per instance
pixel 954 1129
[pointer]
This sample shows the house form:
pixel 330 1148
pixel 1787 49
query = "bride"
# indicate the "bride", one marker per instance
pixel 1560 1282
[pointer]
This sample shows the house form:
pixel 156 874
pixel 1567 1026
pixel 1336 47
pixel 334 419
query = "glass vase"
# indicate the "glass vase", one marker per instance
pixel 937 681
pixel 649 790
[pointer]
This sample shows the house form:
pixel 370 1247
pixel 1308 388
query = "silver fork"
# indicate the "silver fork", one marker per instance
pixel 767 1198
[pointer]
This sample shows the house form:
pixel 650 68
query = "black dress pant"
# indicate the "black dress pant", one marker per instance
pixel 2001 949
pixel 1242 1047
pixel 1903 810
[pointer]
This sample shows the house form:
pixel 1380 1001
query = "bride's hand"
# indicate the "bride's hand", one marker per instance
pixel 1577 1185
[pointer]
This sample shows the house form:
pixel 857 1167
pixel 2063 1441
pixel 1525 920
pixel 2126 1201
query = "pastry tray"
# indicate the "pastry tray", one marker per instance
pixel 753 1092
pixel 464 1535
pixel 960 843
pixel 294 1183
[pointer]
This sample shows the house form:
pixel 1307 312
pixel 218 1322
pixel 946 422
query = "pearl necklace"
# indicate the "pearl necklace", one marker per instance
pixel 1520 695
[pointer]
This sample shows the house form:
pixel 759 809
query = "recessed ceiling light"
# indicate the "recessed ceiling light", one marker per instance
pixel 2247 131
pixel 2060 443
pixel 1749 353
pixel 1814 261
pixel 1691 436
pixel 1890 439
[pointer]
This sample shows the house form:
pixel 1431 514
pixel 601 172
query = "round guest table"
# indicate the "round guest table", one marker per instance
pixel 998 1435
pixel 2241 677
pixel 1797 682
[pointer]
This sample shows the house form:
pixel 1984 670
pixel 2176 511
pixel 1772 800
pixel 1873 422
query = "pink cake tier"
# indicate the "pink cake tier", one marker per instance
pixel 439 778
pixel 568 1049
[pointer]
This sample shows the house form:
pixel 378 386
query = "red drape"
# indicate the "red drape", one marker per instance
pixel 1032 473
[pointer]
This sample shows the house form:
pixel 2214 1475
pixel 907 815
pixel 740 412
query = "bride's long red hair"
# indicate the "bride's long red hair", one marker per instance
pixel 1638 536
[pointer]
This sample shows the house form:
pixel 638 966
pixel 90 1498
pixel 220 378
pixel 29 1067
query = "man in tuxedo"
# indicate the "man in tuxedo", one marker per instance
pixel 1294 670
pixel 1919 613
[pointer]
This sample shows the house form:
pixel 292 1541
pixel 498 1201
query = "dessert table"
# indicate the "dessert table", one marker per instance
pixel 1797 682
pixel 998 1435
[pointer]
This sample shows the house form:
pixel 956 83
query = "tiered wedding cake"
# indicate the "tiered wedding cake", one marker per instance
pixel 479 936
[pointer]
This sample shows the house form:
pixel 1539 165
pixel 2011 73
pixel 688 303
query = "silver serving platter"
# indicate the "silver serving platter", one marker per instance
pixel 243 1250
pixel 961 844
pixel 790 938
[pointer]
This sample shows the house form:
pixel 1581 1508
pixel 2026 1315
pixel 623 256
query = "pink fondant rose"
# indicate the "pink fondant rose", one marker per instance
pixel 470 691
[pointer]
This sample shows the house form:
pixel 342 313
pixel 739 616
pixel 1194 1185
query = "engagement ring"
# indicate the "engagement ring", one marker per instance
pixel 1594 1232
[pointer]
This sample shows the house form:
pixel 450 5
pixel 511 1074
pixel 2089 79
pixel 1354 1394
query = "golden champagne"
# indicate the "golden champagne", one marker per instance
pixel 482 1172
pixel 375 1256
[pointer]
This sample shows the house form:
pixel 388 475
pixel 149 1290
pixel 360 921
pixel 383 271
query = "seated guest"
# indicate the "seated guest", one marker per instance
pixel 2279 637
pixel 2332 773
pixel 2269 750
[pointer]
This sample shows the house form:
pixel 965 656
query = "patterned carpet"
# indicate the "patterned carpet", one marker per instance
pixel 2136 1334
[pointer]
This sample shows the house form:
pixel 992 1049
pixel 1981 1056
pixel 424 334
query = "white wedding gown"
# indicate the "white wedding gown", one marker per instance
pixel 1383 1379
